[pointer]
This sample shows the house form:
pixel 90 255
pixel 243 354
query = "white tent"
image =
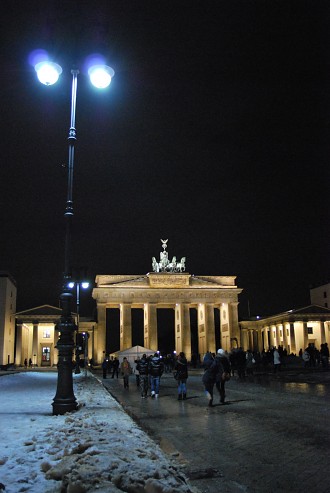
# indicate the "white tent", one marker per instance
pixel 133 353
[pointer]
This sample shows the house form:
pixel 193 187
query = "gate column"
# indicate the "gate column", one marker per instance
pixel 259 343
pixel 182 330
pixel 125 326
pixel 322 333
pixel 271 337
pixel 101 331
pixel 285 336
pixel 150 326
pixel 225 340
pixel 244 339
pixel 293 344
pixel 233 324
pixel 206 336
pixel 19 357
pixel 35 346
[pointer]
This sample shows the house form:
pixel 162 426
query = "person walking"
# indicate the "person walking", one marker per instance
pixel 306 358
pixel 222 370
pixel 156 369
pixel 208 377
pixel 115 368
pixel 277 360
pixel 136 372
pixel 250 361
pixel 142 367
pixel 241 363
pixel 181 372
pixel 324 353
pixel 126 370
pixel 105 367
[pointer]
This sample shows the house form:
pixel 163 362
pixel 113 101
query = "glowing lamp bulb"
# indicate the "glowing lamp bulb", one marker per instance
pixel 101 75
pixel 48 72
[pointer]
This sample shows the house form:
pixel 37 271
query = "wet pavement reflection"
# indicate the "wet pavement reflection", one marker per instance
pixel 259 441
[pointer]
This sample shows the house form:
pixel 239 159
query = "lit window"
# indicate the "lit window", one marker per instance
pixel 46 334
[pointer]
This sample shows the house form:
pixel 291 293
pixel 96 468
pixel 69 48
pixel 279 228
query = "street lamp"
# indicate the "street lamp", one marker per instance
pixel 84 285
pixel 64 400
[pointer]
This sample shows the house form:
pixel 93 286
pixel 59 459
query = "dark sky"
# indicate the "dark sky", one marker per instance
pixel 214 133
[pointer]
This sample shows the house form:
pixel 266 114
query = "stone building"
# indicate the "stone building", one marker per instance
pixel 320 295
pixel 36 336
pixel 293 329
pixel 8 293
pixel 177 291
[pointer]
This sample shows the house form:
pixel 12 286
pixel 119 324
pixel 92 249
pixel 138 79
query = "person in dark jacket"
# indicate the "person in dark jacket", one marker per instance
pixel 115 368
pixel 105 367
pixel 142 367
pixel 208 377
pixel 221 367
pixel 181 372
pixel 155 369
pixel 240 363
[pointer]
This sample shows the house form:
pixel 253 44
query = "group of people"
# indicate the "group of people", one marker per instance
pixel 148 372
pixel 313 357
pixel 217 372
pixel 26 363
pixel 110 365
pixel 218 368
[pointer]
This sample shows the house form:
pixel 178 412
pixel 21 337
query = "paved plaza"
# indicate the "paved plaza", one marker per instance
pixel 271 436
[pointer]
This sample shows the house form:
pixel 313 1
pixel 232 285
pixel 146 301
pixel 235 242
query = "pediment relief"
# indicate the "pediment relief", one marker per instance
pixel 169 280
pixel 121 280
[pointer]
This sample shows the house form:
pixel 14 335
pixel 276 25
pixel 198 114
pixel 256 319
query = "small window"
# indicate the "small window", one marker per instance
pixel 326 304
pixel 46 334
pixel 324 294
pixel 310 330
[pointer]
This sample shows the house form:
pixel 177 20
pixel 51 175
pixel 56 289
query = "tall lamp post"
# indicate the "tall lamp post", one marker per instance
pixel 64 400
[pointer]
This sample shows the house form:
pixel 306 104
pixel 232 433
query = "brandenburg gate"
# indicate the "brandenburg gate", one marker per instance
pixel 169 286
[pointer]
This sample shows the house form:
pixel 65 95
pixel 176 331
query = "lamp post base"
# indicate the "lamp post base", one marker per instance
pixel 64 400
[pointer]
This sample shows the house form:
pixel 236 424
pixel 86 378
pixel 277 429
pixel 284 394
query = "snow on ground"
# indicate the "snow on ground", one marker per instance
pixel 95 449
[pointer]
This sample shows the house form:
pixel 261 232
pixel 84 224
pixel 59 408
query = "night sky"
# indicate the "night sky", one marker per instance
pixel 214 134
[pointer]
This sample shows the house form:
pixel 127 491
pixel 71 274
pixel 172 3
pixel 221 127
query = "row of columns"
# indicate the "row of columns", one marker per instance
pixel 206 333
pixel 293 336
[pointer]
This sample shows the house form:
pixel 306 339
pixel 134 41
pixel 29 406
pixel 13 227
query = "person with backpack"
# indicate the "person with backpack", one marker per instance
pixel 222 370
pixel 142 367
pixel 156 368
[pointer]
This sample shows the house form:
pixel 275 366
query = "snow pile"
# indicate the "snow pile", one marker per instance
pixel 96 449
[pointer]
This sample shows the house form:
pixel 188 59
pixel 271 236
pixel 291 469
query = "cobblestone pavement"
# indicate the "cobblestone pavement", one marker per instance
pixel 271 436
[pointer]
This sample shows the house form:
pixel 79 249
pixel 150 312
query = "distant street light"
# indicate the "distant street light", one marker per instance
pixel 64 400
pixel 84 285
